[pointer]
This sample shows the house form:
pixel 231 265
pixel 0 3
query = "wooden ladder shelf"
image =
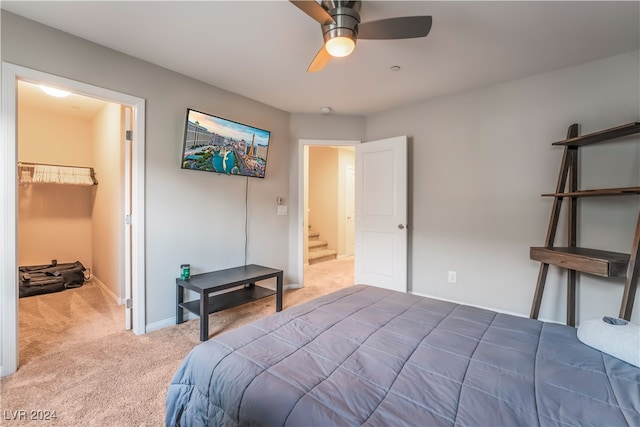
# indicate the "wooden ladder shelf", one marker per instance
pixel 576 259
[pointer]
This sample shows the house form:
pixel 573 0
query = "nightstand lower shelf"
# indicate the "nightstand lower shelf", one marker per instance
pixel 229 299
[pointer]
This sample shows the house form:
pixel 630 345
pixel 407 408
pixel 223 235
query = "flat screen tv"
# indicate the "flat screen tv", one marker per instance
pixel 218 145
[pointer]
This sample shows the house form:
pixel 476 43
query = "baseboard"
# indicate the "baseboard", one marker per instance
pixel 156 326
pixel 109 292
pixel 482 307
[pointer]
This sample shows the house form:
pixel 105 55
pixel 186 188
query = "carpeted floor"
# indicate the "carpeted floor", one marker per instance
pixel 79 364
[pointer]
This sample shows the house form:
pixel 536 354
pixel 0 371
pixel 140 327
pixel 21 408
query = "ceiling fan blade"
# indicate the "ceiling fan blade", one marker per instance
pixel 314 10
pixel 407 27
pixel 322 58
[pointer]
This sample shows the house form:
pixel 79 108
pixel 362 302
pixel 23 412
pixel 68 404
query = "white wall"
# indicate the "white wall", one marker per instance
pixel 73 223
pixel 323 194
pixel 191 217
pixel 54 221
pixel 481 159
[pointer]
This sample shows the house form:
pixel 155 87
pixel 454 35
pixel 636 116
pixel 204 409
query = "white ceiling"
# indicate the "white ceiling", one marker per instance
pixel 31 96
pixel 261 49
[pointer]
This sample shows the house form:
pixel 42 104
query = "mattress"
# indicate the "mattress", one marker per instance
pixel 370 356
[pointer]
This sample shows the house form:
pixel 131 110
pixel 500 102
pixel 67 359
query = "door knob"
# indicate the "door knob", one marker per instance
pixel 401 226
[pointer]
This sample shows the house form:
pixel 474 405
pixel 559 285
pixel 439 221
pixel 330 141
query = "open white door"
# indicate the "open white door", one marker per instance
pixel 381 214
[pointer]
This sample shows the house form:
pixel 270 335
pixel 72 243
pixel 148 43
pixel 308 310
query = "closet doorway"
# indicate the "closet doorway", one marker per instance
pixel 63 214
pixel 123 274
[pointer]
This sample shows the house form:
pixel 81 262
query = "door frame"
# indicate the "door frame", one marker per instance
pixel 350 170
pixel 11 73
pixel 303 150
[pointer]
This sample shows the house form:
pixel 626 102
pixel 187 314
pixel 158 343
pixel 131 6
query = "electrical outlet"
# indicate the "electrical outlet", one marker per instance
pixel 451 277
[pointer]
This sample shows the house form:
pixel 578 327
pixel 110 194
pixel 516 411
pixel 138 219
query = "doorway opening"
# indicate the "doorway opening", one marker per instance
pixel 65 218
pixel 327 214
pixel 130 287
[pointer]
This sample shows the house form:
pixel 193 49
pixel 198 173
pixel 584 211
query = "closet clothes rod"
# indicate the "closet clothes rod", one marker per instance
pixel 42 173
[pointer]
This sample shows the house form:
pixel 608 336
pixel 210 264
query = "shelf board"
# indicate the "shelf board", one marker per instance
pixel 592 261
pixel 603 135
pixel 230 299
pixel 600 192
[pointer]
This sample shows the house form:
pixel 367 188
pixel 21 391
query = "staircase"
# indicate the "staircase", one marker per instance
pixel 318 251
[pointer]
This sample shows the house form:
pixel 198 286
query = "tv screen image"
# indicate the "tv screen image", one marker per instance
pixel 214 144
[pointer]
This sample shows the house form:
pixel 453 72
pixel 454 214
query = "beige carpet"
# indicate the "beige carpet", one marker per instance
pixel 77 360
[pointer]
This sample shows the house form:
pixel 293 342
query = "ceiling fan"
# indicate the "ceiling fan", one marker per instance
pixel 341 27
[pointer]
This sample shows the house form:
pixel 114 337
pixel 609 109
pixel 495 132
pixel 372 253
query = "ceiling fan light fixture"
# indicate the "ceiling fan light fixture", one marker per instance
pixel 341 27
pixel 340 46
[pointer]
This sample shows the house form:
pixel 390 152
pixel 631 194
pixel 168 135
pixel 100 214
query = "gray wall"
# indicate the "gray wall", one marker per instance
pixel 480 161
pixel 191 217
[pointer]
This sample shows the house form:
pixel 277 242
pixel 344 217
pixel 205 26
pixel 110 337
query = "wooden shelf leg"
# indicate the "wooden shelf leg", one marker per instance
pixel 566 165
pixel 537 296
pixel 571 297
pixel 572 234
pixel 633 272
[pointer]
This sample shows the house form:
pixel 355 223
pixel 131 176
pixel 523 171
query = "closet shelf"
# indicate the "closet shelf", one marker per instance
pixel 41 173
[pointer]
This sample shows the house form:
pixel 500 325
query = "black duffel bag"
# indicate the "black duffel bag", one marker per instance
pixel 54 277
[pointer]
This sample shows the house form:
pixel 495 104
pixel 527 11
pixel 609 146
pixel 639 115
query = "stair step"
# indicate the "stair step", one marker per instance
pixel 314 235
pixel 317 244
pixel 322 255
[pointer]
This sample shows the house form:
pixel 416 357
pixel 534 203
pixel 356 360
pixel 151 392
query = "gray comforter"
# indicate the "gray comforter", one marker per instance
pixel 369 356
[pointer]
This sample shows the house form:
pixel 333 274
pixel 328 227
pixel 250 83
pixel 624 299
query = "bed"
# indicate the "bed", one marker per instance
pixel 369 356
